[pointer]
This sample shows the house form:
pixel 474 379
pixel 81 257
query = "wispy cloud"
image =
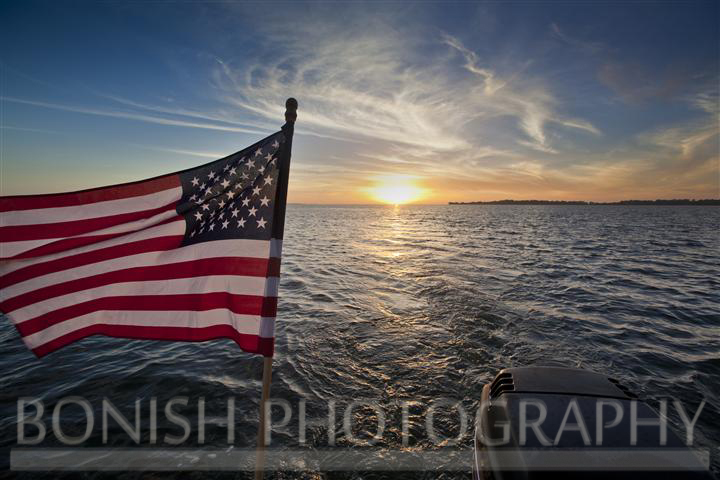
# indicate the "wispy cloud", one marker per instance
pixel 192 153
pixel 708 101
pixel 354 82
pixel 532 104
pixel 581 44
pixel 221 117
pixel 685 147
pixel 490 83
pixel 133 116
pixel 382 92
pixel 26 129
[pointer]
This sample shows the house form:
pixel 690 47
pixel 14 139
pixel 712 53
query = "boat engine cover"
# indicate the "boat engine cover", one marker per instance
pixel 549 422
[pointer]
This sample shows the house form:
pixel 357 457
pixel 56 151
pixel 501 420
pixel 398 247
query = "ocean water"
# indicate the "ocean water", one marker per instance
pixel 420 303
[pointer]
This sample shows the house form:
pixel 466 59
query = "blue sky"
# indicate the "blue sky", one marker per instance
pixel 463 101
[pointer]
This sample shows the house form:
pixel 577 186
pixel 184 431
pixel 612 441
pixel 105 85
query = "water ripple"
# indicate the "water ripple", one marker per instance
pixel 428 302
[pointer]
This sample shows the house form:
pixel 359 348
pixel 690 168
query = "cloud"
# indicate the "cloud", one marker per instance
pixel 134 116
pixel 491 83
pixel 25 129
pixel 688 153
pixel 533 104
pixel 708 101
pixel 192 153
pixel 184 112
pixel 584 45
pixel 378 84
pixel 685 148
pixel 353 92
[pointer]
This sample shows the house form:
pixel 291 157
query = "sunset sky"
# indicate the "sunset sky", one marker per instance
pixel 439 102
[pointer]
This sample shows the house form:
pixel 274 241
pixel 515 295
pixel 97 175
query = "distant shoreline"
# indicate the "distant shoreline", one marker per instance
pixel 684 201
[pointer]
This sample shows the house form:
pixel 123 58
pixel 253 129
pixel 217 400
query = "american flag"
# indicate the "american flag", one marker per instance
pixel 192 256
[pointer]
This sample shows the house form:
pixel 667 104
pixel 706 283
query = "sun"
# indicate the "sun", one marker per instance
pixel 396 190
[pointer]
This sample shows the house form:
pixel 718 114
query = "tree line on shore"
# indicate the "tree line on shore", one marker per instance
pixel 679 201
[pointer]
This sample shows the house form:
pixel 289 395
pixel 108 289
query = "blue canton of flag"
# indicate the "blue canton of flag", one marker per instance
pixel 233 197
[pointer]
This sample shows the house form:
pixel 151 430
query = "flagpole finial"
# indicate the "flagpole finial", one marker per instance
pixel 291 106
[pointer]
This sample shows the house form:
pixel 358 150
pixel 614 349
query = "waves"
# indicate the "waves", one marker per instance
pixel 427 302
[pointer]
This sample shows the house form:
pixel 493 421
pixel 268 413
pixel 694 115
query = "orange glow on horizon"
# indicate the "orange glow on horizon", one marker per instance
pixel 396 190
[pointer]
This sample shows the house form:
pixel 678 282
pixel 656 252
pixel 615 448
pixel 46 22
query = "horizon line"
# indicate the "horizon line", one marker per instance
pixel 509 201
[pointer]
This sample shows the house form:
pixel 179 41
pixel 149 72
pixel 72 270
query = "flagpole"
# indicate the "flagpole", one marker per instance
pixel 260 455
pixel 291 106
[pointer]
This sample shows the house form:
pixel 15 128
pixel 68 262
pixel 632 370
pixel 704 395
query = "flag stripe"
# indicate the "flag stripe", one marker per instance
pixel 85 197
pixel 148 252
pixel 165 216
pixel 246 324
pixel 78 227
pixel 239 304
pixel 37 248
pixel 249 342
pixel 176 228
pixel 36 271
pixel 91 210
pixel 236 285
pixel 241 266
